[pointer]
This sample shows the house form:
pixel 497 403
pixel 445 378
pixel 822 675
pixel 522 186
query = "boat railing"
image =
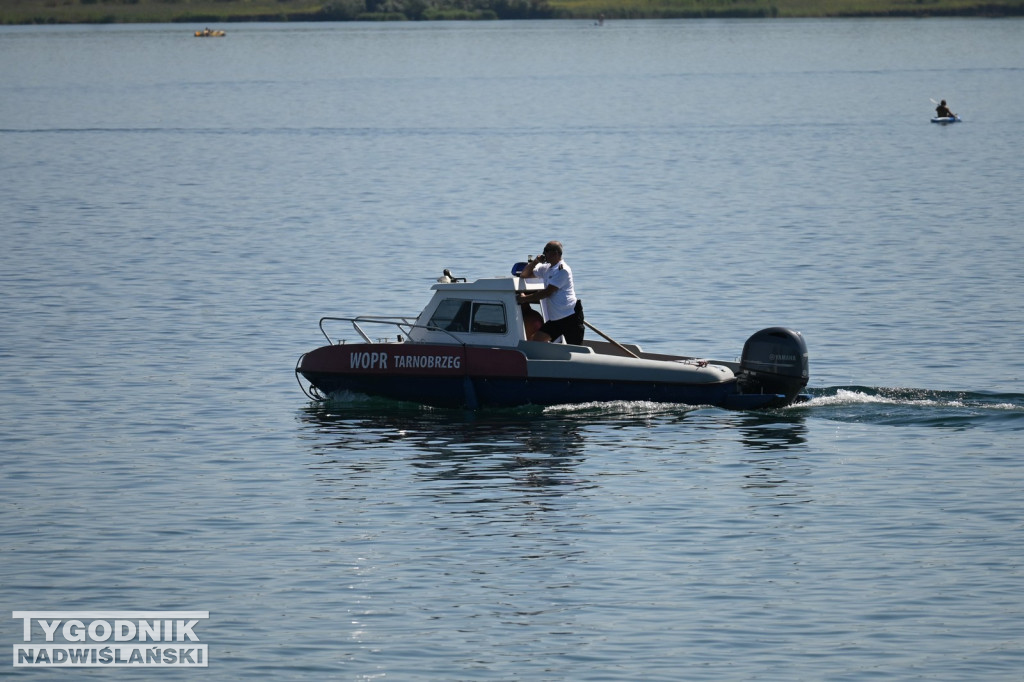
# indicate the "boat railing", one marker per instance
pixel 402 324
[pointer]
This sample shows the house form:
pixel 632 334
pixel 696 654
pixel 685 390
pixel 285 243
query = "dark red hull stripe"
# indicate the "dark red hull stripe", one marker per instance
pixel 414 360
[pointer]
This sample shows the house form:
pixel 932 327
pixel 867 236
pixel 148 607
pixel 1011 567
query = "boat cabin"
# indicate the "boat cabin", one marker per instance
pixel 479 313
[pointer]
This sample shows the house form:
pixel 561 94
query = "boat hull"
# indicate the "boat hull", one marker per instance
pixel 471 377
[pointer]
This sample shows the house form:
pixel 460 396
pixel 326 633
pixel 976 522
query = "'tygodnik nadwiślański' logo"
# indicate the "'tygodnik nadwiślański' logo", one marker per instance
pixel 105 639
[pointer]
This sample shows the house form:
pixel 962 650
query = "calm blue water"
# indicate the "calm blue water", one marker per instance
pixel 178 213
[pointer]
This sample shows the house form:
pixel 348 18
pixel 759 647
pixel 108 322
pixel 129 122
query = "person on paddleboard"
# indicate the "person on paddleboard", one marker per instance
pixel 563 310
pixel 942 111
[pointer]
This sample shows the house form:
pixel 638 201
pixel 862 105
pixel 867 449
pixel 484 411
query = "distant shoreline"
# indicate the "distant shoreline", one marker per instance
pixel 22 12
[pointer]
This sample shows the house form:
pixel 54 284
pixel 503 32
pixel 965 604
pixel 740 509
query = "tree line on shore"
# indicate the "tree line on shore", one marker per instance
pixel 217 11
pixel 417 10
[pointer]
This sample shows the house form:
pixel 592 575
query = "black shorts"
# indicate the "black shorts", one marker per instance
pixel 570 327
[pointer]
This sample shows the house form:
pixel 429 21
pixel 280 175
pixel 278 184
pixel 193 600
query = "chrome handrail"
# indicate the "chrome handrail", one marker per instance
pixel 403 324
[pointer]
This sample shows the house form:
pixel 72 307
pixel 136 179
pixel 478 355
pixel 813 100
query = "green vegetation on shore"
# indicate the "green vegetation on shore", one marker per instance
pixel 221 11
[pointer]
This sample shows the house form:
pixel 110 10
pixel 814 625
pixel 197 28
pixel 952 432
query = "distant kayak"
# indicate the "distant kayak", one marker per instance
pixel 947 119
pixel 210 34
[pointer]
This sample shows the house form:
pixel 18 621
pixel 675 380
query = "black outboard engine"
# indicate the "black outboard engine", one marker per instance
pixel 774 360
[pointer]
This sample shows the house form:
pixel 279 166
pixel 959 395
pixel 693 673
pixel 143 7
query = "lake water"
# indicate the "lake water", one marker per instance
pixel 178 213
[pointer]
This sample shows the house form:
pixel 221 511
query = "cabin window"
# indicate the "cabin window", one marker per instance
pixel 452 315
pixel 461 315
pixel 489 318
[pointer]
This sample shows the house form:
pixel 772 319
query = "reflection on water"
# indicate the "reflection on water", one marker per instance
pixel 527 449
pixel 777 430
pixel 532 453
pixel 525 433
pixel 777 475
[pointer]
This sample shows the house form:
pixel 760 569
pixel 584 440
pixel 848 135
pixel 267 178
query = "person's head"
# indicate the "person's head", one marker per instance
pixel 943 102
pixel 553 252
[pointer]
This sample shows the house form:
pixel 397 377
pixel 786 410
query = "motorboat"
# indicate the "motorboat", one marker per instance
pixel 470 348
pixel 207 33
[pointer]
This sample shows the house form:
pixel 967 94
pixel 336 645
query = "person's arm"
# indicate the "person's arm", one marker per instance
pixel 528 270
pixel 536 296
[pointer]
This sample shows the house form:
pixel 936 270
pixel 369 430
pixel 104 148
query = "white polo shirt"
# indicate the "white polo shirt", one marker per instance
pixel 563 302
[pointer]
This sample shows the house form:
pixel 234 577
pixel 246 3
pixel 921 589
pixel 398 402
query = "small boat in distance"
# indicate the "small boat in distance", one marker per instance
pixel 945 120
pixel 469 348
pixel 207 33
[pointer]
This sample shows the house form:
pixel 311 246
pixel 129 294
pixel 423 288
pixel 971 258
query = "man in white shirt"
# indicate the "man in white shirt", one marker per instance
pixel 562 310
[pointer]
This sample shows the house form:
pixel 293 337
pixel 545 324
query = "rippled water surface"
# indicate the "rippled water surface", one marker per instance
pixel 178 213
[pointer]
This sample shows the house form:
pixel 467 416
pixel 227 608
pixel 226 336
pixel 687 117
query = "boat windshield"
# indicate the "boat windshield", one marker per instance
pixel 462 315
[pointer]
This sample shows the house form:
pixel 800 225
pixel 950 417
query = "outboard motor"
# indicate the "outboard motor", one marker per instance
pixel 774 360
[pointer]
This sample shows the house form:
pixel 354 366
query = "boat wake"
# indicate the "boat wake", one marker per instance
pixel 914 406
pixel 840 395
pixel 851 404
pixel 619 407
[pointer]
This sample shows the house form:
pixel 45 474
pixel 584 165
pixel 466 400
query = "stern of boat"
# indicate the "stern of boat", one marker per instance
pixel 774 362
